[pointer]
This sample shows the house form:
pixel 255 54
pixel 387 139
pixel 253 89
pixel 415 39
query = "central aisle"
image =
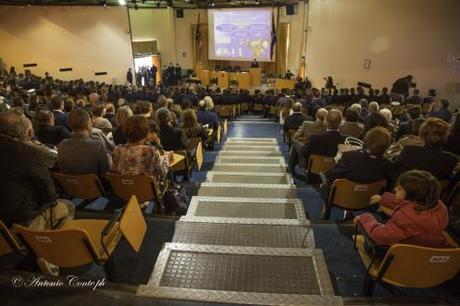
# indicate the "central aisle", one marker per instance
pixel 245 238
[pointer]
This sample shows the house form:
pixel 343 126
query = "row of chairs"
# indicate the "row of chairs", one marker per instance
pixel 89 240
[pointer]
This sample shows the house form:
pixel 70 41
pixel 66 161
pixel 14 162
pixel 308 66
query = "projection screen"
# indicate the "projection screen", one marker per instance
pixel 239 34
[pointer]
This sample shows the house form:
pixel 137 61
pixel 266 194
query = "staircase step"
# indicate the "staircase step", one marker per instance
pixel 248 191
pixel 249 178
pixel 222 167
pixel 250 160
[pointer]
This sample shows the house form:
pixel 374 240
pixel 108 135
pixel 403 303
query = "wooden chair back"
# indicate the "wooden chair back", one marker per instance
pixel 144 187
pixel 8 242
pixel 419 267
pixel 218 134
pixel 353 196
pixel 132 224
pixel 319 163
pixel 65 248
pixel 225 127
pixel 193 142
pixel 199 155
pixel 86 186
pixel 290 136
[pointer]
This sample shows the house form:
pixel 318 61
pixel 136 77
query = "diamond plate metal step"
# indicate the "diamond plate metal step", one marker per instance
pixel 249 178
pixel 258 168
pixel 252 140
pixel 250 160
pixel 267 153
pixel 250 235
pixel 241 275
pixel 249 147
pixel 247 191
pixel 246 211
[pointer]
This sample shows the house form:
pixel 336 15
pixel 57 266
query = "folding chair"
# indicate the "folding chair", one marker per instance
pixel 84 241
pixel 318 164
pixel 8 242
pixel 144 187
pixel 87 187
pixel 407 265
pixel 350 195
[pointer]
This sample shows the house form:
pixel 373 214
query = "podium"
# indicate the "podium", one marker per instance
pixel 204 77
pixel 283 83
pixel 244 81
pixel 198 70
pixel 255 76
pixel 222 79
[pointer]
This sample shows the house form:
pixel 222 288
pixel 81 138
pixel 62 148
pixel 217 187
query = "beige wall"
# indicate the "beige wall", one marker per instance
pixel 398 36
pixel 87 39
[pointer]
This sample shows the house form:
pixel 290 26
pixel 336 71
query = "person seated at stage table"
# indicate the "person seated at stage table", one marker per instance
pixel 294 120
pixel 81 153
pixel 137 157
pixel 366 165
pixel 46 132
pixel 351 126
pixel 431 157
pixel 418 215
pixel 254 64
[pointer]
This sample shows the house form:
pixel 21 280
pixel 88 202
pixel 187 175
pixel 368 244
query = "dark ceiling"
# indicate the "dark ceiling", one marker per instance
pixel 156 3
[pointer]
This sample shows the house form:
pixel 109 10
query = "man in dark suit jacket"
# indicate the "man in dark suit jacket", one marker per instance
pixel 325 144
pixel 48 133
pixel 295 120
pixel 60 119
pixel 206 117
pixel 366 165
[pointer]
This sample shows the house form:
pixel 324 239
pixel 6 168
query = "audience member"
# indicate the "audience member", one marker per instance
pixel 46 132
pixel 294 120
pixel 99 121
pixel 82 154
pixel 171 138
pixel 418 216
pixel 192 128
pixel 137 157
pixel 453 141
pixel 122 114
pixel 60 119
pixel 351 126
pixel 206 117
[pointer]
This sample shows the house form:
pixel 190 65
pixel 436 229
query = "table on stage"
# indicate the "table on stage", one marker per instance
pixel 283 83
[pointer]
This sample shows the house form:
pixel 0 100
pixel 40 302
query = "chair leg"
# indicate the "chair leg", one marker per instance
pixel 109 269
pixel 326 211
pixel 368 287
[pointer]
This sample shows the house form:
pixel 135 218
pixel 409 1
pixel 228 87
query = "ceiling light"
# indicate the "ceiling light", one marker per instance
pixel 122 2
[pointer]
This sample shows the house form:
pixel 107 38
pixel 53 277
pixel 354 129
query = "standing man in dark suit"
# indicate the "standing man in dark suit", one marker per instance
pixel 400 88
pixel 60 119
pixel 178 74
pixel 325 144
pixel 171 72
pixel 153 74
pixel 255 64
pixel 129 76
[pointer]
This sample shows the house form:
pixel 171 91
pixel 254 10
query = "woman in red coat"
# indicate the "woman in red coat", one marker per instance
pixel 418 216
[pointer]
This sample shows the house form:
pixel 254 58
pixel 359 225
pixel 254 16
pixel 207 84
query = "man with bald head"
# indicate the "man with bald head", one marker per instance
pixel 28 195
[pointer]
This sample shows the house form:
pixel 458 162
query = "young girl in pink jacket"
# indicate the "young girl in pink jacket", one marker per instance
pixel 418 216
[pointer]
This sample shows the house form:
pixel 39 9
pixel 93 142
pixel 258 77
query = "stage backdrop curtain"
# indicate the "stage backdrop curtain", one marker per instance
pixel 278 67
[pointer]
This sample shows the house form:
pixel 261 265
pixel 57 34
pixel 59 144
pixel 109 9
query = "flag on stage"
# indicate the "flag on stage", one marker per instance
pixel 198 33
pixel 273 35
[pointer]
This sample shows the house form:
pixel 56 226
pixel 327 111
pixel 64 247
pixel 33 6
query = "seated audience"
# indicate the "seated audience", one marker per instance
pixel 415 98
pixel 431 157
pixel 453 141
pixel 137 157
pixel 99 122
pixel 412 126
pixel 366 165
pixel 325 144
pixel 386 113
pixel 442 111
pixel 375 119
pixel 46 132
pixel 312 127
pixel 60 119
pixel 82 154
pixel 206 117
pixel 28 192
pixel 122 114
pixel 172 138
pixel 295 120
pixel 191 127
pixel 351 126
pixel 418 216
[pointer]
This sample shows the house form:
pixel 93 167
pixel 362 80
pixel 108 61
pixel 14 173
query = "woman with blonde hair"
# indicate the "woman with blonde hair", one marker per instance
pixel 209 103
pixel 122 114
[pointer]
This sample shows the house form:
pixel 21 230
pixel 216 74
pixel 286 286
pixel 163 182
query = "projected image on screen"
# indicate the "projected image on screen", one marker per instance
pixel 240 34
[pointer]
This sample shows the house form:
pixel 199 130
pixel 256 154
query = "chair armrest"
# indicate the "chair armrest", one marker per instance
pixel 111 223
pixel 370 245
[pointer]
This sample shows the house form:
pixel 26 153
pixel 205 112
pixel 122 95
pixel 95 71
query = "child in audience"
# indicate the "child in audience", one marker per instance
pixel 418 216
